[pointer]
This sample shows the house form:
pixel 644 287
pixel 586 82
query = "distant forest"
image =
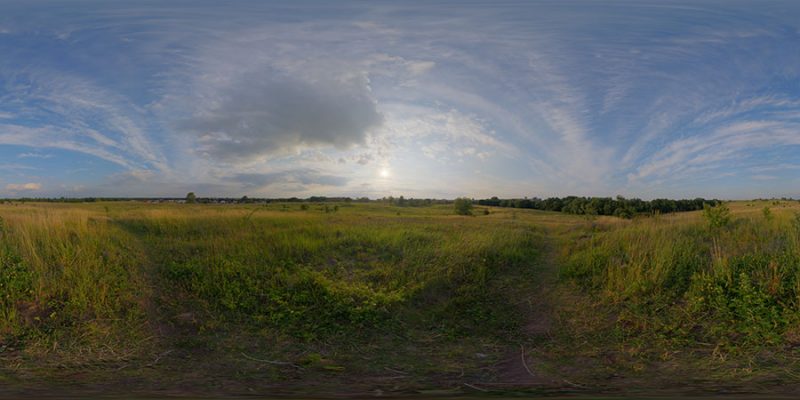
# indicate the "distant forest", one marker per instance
pixel 619 206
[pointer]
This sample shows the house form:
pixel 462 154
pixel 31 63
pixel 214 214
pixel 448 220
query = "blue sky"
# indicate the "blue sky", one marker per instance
pixel 423 99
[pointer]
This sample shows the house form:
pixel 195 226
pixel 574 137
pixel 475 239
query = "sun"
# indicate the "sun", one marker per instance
pixel 384 172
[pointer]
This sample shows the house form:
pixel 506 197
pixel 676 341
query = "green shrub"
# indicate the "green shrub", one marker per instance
pixel 291 298
pixel 796 222
pixel 736 309
pixel 718 217
pixel 16 285
pixel 463 206
pixel 666 280
pixel 16 280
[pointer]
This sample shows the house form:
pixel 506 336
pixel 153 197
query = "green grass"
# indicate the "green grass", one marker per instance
pixel 161 293
pixel 687 281
pixel 314 274
pixel 102 282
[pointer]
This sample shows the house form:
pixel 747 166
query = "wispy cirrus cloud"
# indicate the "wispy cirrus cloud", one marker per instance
pixel 16 167
pixel 51 109
pixel 34 155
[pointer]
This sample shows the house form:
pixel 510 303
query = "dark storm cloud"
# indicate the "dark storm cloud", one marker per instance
pixel 262 113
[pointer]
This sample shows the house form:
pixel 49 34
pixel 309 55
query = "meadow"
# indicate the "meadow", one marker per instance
pixel 348 297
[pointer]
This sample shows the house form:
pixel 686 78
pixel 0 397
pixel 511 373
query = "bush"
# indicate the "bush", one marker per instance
pixel 463 206
pixel 16 281
pixel 718 217
pixel 796 221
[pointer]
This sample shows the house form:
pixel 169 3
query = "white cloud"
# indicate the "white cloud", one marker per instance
pixel 50 137
pixel 16 167
pixel 724 143
pixel 76 110
pixel 544 95
pixel 776 167
pixel 23 187
pixel 764 177
pixel 442 133
pixel 420 67
pixel 34 155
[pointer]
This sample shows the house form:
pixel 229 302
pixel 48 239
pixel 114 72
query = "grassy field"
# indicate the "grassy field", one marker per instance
pixel 369 298
pixel 677 278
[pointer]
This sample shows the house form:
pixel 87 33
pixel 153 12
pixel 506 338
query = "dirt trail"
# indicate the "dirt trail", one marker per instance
pixel 526 364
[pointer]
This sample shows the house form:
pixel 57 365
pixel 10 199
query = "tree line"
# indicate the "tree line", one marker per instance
pixel 619 206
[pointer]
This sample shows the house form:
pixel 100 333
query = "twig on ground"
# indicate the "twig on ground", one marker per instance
pixel 574 384
pixel 517 384
pixel 161 355
pixel 271 361
pixel 395 371
pixel 525 363
pixel 475 387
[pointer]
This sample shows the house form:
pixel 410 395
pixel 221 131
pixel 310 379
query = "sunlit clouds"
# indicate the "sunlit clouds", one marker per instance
pixel 385 98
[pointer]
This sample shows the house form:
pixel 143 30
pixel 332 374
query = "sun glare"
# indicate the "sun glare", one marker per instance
pixel 384 172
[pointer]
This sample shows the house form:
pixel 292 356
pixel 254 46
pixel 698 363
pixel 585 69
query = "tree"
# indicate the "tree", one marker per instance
pixel 623 212
pixel 463 206
pixel 191 198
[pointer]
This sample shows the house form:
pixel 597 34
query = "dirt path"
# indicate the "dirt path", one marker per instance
pixel 523 367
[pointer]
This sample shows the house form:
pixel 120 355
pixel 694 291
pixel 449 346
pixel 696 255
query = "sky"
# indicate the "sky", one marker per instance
pixel 385 98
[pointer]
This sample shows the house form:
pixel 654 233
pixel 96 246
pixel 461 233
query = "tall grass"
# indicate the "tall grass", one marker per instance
pixel 68 278
pixel 684 280
pixel 107 276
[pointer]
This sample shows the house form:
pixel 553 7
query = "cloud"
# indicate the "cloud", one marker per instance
pixel 23 187
pixel 764 177
pixel 776 167
pixel 70 112
pixel 420 67
pixel 364 158
pixel 299 176
pixel 443 133
pixel 541 97
pixel 16 167
pixel 261 113
pixel 724 143
pixel 34 155
pixel 49 136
